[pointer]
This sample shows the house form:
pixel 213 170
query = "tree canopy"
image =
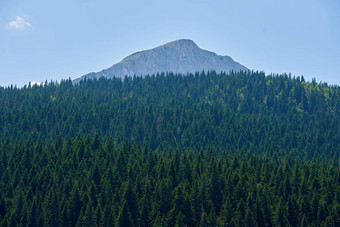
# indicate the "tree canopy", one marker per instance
pixel 204 149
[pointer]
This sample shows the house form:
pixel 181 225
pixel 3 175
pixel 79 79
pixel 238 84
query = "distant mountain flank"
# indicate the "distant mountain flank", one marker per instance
pixel 180 56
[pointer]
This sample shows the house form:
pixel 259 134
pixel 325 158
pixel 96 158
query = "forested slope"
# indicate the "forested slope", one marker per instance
pixel 84 182
pixel 208 149
pixel 244 112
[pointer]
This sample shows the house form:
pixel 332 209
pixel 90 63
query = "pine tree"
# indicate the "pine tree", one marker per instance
pixel 89 218
pixel 51 209
pixel 33 215
pixel 315 207
pixel 280 214
pixel 131 201
pixel 292 211
pixel 212 217
pixel 145 206
pixel 305 208
pixel 304 221
pixel 75 206
pixel 107 218
pixel 124 217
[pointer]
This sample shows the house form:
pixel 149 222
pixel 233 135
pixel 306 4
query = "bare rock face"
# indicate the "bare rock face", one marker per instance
pixel 181 56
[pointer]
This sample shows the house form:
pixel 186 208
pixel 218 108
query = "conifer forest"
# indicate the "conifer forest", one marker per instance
pixel 204 149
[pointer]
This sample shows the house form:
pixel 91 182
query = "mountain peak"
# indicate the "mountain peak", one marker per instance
pixel 182 43
pixel 180 56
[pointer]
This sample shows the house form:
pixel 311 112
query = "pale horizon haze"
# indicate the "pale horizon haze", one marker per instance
pixel 54 40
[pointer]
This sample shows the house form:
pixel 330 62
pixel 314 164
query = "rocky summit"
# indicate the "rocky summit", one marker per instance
pixel 181 56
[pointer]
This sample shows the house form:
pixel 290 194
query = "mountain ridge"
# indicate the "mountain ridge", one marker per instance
pixel 180 56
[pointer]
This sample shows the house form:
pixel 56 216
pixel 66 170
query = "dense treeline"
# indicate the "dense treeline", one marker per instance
pixel 247 112
pixel 205 149
pixel 87 182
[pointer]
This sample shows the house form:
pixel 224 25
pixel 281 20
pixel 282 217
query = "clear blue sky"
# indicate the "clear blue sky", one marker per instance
pixel 43 40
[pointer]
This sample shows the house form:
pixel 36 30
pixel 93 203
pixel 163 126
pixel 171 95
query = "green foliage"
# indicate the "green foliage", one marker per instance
pixel 245 112
pixel 51 191
pixel 170 150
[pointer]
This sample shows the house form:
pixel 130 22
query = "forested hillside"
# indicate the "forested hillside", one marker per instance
pixel 244 112
pixel 86 182
pixel 238 149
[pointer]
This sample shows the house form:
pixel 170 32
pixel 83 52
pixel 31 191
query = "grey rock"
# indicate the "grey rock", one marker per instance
pixel 181 56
